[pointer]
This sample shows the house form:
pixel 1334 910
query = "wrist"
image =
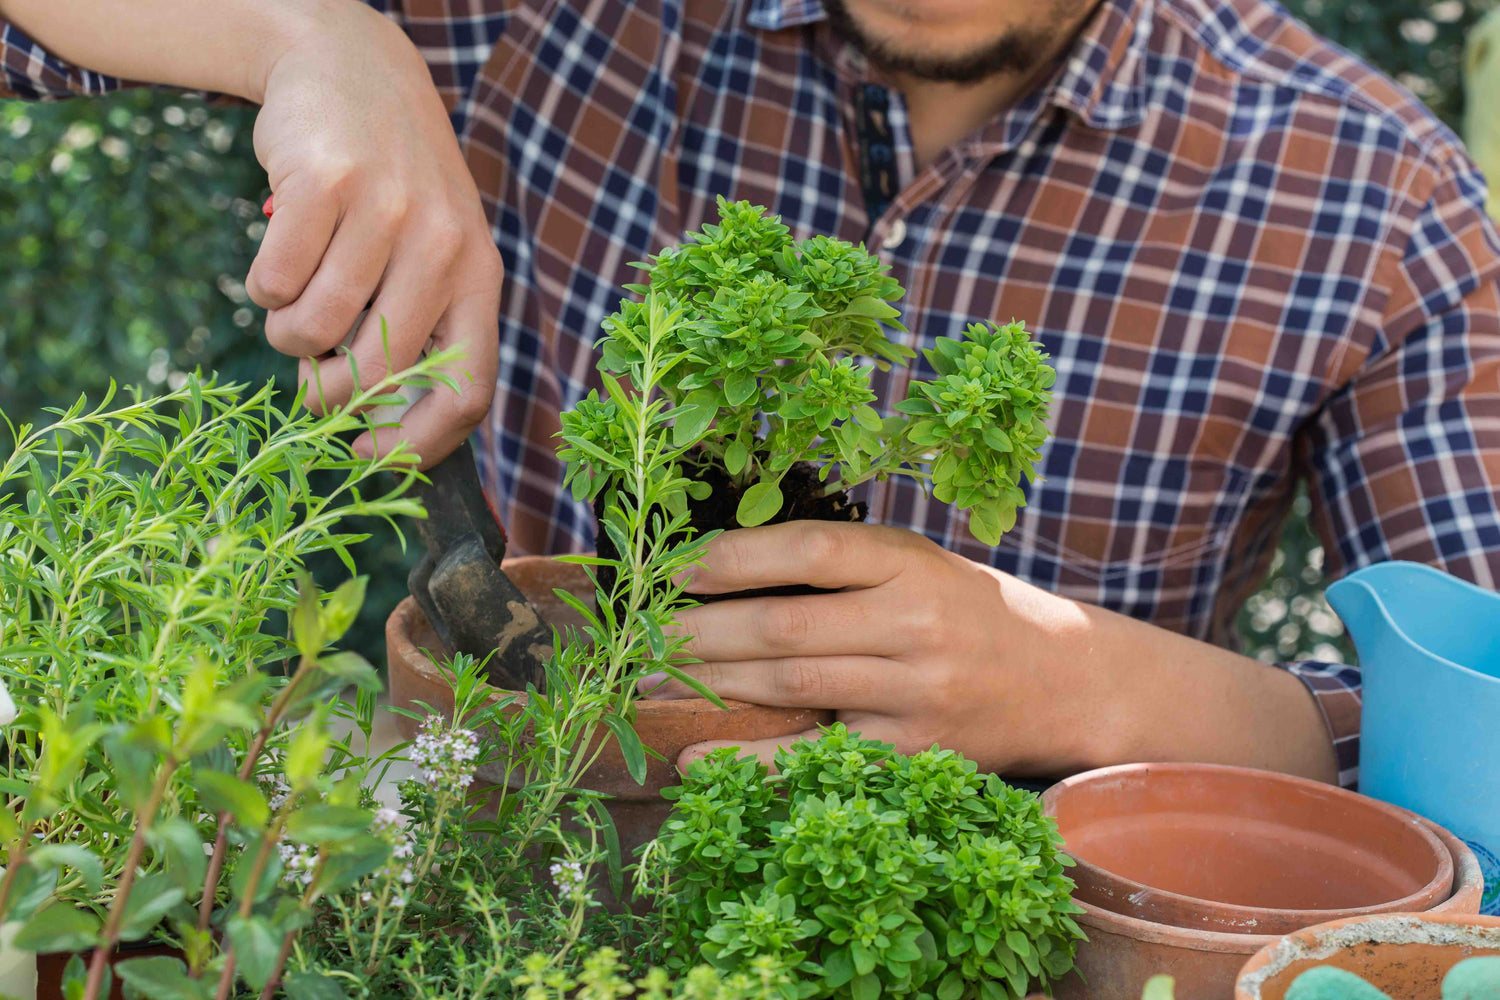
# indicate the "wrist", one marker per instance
pixel 325 31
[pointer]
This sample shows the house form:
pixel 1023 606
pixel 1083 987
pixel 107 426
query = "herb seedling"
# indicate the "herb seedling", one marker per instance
pixel 770 379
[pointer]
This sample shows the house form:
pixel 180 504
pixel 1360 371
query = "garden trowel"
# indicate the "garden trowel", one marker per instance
pixel 471 604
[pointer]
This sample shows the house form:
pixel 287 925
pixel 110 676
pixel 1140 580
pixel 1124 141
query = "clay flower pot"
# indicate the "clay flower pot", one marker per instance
pixel 1404 955
pixel 1185 869
pixel 668 727
pixel 50 967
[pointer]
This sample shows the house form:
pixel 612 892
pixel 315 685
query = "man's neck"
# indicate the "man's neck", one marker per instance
pixel 942 114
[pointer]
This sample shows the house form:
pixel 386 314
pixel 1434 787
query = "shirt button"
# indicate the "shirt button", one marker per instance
pixel 894 236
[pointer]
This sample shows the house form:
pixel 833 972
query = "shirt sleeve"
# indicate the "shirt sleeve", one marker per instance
pixel 1403 460
pixel 30 72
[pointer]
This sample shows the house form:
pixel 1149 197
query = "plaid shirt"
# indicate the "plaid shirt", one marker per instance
pixel 1252 259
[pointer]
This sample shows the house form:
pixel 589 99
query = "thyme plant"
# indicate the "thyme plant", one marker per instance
pixel 768 377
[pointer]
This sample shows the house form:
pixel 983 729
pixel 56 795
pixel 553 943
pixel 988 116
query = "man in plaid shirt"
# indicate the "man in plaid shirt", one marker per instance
pixel 1253 259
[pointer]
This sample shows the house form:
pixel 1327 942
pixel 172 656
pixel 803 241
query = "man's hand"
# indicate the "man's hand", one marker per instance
pixel 921 646
pixel 373 201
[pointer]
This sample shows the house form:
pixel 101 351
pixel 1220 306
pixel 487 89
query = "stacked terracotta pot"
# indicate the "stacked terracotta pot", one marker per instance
pixel 1189 869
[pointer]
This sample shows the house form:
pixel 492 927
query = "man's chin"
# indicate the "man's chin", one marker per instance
pixel 930 47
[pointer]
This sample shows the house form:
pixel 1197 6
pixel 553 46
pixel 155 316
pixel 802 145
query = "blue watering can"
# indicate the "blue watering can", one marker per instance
pixel 1429 648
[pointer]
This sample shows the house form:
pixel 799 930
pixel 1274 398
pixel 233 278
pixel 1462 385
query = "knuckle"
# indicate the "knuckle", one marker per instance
pixel 798 679
pixel 388 205
pixel 924 624
pixel 332 174
pixel 786 624
pixel 446 235
pixel 474 405
pixel 271 285
pixel 822 546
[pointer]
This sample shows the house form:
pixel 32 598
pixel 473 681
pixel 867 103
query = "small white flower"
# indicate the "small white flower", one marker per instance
pixel 7 706
pixel 446 759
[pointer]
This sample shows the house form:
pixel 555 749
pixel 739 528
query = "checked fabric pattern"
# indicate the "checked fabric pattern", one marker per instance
pixel 1252 258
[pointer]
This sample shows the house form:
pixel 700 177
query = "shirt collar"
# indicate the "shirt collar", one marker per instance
pixel 1101 79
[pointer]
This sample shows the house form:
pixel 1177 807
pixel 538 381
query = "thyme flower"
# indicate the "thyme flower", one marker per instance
pixel 445 757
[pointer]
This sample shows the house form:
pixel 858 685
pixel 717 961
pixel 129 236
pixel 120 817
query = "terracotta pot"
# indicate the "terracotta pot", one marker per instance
pixel 1236 849
pixel 668 727
pixel 50 967
pixel 1230 837
pixel 1404 955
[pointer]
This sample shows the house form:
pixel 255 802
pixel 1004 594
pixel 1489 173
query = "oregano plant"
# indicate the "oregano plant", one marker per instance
pixel 858 872
pixel 779 340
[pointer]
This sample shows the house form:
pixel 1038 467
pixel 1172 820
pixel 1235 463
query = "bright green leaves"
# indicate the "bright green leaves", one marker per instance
pixel 984 417
pixel 766 376
pixel 759 503
pixel 59 927
pixel 867 873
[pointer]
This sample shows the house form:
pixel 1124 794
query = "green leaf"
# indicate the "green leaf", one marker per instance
pixel 180 846
pixel 225 793
pixel 307 619
pixel 351 860
pixel 1159 988
pixel 760 503
pixel 998 439
pixel 872 307
pixel 735 457
pixel 75 856
pixel 739 387
pixel 59 927
pixel 31 888
pixel 614 859
pixel 150 899
pixel 699 688
pixel 692 417
pixel 342 608
pixel 161 977
pixel 305 756
pixel 352 667
pixel 865 987
pixel 630 747
pixel 256 946
pixel 321 822
pixel 305 985
pixel 952 986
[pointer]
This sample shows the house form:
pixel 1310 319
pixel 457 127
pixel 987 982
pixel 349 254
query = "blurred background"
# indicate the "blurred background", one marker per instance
pixel 127 226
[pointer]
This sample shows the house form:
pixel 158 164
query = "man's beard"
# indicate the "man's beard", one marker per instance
pixel 1016 51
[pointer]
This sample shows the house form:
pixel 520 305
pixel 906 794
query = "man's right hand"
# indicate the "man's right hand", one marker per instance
pixel 373 199
pixel 373 202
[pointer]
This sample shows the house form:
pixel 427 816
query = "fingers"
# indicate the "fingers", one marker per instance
pixel 816 553
pixel 763 750
pixel 857 682
pixel 441 420
pixel 857 623
pixel 296 238
pixel 317 321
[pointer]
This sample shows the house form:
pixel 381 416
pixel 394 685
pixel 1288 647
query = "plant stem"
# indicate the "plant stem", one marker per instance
pixel 290 937
pixel 111 934
pixel 247 900
pixel 252 756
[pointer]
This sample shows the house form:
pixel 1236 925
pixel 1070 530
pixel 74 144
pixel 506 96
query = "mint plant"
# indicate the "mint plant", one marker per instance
pixel 771 376
pixel 858 872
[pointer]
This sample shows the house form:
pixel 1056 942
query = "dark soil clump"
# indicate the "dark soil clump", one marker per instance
pixel 803 500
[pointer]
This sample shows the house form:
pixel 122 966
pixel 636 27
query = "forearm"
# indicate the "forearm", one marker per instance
pixel 1156 695
pixel 224 46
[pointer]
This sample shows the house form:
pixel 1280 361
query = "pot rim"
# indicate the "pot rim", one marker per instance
pixel 1447 863
pixel 1303 945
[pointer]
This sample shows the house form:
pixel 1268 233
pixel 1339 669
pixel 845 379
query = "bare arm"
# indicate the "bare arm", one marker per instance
pixel 226 47
pixel 373 198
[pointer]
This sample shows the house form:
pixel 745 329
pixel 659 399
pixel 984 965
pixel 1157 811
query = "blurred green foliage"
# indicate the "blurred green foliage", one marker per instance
pixel 127 225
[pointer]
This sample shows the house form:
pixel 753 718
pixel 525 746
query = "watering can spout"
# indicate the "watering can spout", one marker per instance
pixel 1359 604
